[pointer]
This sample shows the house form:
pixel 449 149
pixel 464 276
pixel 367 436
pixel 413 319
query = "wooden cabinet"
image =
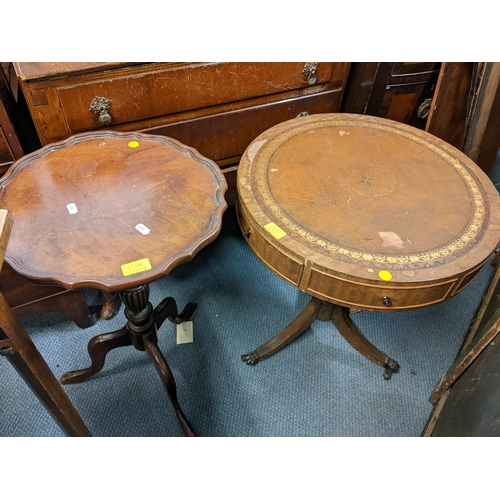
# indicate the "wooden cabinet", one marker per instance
pixel 217 108
pixel 399 91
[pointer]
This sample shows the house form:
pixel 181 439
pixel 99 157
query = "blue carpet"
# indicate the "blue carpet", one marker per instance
pixel 317 386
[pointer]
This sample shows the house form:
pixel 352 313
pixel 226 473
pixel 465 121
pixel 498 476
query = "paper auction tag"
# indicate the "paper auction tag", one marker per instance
pixel 185 332
pixel 142 229
pixel 72 208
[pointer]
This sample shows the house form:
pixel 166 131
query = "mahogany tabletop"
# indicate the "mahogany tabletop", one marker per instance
pixel 366 212
pixel 110 210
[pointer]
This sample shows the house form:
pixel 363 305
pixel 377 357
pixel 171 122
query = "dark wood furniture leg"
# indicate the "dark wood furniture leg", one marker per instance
pixel 298 326
pixel 18 348
pixel 168 381
pixel 141 332
pixel 324 311
pixel 109 308
pixel 98 347
pixel 344 324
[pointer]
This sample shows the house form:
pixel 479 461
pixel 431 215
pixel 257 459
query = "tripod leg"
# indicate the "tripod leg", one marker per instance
pixel 350 332
pixel 168 381
pixel 167 308
pixel 298 326
pixel 98 347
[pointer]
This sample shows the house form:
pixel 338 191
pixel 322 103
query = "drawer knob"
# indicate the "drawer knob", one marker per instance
pixel 310 72
pixel 100 106
pixel 386 301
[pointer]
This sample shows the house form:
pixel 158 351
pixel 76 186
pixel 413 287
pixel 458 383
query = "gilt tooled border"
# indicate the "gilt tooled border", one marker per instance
pixel 458 246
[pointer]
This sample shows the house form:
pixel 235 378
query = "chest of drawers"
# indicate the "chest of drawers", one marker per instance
pixel 217 107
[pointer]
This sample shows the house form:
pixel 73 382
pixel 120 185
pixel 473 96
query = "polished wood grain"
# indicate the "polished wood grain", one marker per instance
pixel 115 211
pixel 216 107
pixel 18 348
pixel 365 213
pixel 23 296
pixel 169 188
pixel 356 196
pixel 149 94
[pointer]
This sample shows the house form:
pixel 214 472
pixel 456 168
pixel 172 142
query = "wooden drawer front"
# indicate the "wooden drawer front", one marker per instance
pixel 350 293
pixel 286 266
pixel 225 136
pixel 167 89
pixel 408 68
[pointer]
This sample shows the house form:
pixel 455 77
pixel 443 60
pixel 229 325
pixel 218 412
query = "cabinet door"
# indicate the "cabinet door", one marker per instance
pixel 408 103
pixel 397 91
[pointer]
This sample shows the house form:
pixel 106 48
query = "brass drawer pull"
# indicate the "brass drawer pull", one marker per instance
pixel 310 71
pixel 100 106
pixel 424 109
pixel 303 113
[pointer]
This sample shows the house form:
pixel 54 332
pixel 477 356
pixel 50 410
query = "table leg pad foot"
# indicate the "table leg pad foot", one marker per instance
pixel 75 377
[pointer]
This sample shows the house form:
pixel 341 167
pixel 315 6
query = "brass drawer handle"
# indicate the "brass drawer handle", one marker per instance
pixel 309 70
pixel 424 109
pixel 303 113
pixel 100 106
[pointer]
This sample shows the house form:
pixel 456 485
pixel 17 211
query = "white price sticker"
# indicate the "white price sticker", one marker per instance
pixel 142 229
pixel 72 208
pixel 185 333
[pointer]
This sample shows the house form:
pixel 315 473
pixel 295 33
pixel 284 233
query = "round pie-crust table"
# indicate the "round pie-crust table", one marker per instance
pixel 363 213
pixel 114 211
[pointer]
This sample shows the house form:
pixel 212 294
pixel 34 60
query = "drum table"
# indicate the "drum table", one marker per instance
pixel 114 211
pixel 363 213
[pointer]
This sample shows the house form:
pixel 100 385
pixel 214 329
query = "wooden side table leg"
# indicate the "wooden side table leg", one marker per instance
pixel 29 363
pixel 168 381
pixel 110 306
pixel 298 326
pixel 346 327
pixel 98 347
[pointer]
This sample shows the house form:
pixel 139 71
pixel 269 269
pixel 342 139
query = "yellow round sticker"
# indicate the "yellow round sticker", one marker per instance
pixel 385 275
pixel 133 144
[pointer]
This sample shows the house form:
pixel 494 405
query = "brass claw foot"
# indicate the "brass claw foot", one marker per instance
pixel 251 358
pixel 392 366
